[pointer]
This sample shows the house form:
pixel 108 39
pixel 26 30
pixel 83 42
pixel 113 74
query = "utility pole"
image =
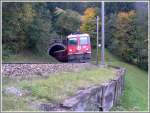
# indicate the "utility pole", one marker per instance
pixel 103 34
pixel 97 20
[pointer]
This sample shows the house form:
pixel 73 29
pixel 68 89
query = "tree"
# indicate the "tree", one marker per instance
pixel 116 7
pixel 16 18
pixel 89 23
pixel 39 32
pixel 67 21
pixel 125 30
pixel 25 25
pixel 126 38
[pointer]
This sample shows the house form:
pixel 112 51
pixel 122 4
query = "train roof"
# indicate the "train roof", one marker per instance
pixel 75 35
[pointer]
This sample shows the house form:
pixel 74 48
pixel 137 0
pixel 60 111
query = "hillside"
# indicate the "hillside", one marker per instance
pixel 135 97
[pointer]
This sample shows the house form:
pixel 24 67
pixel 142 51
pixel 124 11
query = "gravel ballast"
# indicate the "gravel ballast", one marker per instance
pixel 13 70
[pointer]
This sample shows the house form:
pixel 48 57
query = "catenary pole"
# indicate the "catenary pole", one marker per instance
pixel 97 19
pixel 103 34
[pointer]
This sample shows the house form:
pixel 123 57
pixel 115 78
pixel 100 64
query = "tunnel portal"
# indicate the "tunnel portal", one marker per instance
pixel 58 50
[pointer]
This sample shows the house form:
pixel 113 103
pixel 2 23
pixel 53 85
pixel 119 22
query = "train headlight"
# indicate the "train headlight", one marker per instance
pixel 70 50
pixel 78 48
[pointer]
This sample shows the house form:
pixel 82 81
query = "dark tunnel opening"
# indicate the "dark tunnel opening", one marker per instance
pixel 55 48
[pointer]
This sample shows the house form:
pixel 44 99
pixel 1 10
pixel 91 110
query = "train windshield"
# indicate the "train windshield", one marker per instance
pixel 84 40
pixel 72 41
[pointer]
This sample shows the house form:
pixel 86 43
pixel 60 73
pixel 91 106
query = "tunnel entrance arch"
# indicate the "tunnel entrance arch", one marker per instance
pixel 56 47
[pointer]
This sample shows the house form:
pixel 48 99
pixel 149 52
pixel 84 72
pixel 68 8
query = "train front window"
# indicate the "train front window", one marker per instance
pixel 84 40
pixel 72 41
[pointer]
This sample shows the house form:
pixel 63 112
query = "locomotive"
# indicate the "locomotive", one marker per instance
pixel 77 49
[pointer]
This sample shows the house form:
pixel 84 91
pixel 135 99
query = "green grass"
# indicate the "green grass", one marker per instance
pixel 13 103
pixel 29 57
pixel 57 87
pixel 63 85
pixel 135 96
pixel 136 90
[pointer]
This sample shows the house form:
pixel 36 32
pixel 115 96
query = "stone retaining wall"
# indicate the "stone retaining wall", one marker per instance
pixel 97 98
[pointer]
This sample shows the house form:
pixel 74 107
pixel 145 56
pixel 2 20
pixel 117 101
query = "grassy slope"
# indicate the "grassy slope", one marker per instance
pixel 136 86
pixel 13 103
pixel 29 57
pixel 56 88
pixel 65 84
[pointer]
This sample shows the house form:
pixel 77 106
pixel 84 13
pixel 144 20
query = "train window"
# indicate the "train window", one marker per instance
pixel 72 41
pixel 84 40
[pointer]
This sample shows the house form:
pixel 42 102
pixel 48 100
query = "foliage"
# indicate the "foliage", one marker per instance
pixel 31 26
pixel 89 23
pixel 35 25
pixel 75 6
pixel 16 18
pixel 116 7
pixel 127 39
pixel 67 21
pixel 39 32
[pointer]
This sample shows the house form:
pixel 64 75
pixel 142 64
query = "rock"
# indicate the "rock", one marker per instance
pixel 14 90
pixel 46 106
pixel 69 103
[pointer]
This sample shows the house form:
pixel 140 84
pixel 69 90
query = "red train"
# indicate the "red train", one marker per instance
pixel 77 49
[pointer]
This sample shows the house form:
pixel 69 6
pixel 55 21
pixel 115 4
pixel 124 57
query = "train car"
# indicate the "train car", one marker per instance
pixel 78 48
pixel 75 48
